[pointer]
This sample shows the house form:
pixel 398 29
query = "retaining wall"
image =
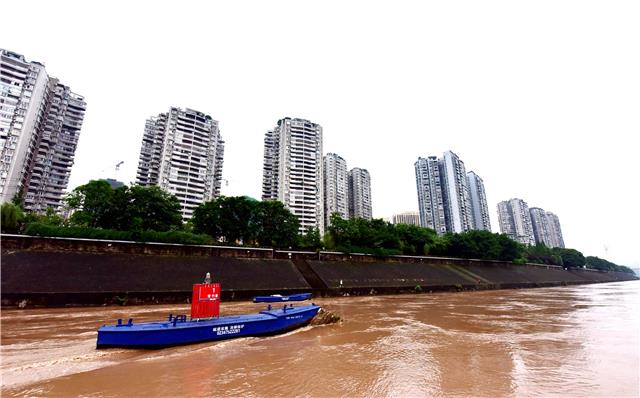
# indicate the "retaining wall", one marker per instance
pixel 50 271
pixel 478 275
pixel 59 278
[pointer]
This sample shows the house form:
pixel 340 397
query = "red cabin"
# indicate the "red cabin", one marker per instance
pixel 205 301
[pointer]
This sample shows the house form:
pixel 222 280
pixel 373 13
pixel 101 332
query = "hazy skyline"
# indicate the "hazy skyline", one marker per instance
pixel 539 99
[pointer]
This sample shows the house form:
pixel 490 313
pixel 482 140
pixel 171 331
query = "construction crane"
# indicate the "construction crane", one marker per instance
pixel 120 163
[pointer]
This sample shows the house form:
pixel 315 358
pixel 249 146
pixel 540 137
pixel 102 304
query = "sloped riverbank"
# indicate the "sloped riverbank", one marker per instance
pixel 56 272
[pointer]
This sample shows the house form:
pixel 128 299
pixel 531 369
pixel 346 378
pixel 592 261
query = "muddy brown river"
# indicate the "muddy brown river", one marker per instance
pixel 567 341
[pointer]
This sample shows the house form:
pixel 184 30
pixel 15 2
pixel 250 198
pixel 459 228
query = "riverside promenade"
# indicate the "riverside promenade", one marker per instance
pixel 39 271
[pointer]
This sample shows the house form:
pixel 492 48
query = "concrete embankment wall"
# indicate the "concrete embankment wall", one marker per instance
pixel 49 271
pixel 386 276
pixel 56 278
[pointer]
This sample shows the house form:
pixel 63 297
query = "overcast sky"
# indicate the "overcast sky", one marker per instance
pixel 541 99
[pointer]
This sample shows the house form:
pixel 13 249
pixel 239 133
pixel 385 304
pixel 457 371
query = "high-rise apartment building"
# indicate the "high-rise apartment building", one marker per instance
pixel 555 231
pixel 182 153
pixel 151 150
pixel 479 208
pixel 40 122
pixel 457 204
pixel 539 225
pixel 505 219
pixel 430 195
pixel 444 201
pixel 409 218
pixel 359 194
pixel 336 187
pixel 293 170
pixel 515 220
pixel 546 227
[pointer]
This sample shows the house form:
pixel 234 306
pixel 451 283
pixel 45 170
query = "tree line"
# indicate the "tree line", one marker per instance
pixel 382 238
pixel 139 213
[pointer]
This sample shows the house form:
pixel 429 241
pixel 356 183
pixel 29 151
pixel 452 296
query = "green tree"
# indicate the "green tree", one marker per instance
pixel 385 236
pixel 570 257
pixel 600 264
pixel 134 208
pixel 146 208
pixel 441 246
pixel 510 250
pixel 541 254
pixel 475 244
pixel 604 265
pixel 622 268
pixel 18 199
pixel 11 217
pixel 479 244
pixel 337 232
pixel 310 240
pixel 361 235
pixel 351 235
pixel 118 215
pixel 206 219
pixel 275 225
pixel 92 204
pixel 415 240
pixel 231 219
pixel 49 218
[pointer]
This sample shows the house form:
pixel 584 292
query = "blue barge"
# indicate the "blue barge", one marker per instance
pixel 207 325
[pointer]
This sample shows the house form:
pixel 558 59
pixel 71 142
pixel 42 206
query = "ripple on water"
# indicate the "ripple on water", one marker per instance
pixel 574 341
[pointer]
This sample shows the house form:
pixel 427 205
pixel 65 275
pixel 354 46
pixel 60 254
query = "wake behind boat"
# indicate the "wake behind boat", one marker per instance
pixel 206 325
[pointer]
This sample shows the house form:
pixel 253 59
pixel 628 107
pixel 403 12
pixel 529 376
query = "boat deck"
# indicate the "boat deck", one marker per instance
pixel 209 322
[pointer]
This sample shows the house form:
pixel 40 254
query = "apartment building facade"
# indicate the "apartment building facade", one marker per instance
pixel 479 207
pixel 40 123
pixel 457 203
pixel 408 218
pixel 293 170
pixel 430 194
pixel 182 152
pixel 360 194
pixel 546 227
pixel 336 187
pixel 515 220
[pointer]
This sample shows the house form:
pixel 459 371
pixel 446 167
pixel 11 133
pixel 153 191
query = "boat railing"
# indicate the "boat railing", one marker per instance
pixel 177 318
pixel 120 324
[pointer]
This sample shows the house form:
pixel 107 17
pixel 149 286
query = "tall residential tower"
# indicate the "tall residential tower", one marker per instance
pixel 554 230
pixel 182 152
pixel 515 220
pixel 336 187
pixel 40 122
pixel 293 170
pixel 444 200
pixel 479 207
pixel 457 203
pixel 359 194
pixel 546 227
pixel 430 199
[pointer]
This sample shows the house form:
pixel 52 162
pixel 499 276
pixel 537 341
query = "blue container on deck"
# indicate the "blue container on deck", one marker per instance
pixel 178 330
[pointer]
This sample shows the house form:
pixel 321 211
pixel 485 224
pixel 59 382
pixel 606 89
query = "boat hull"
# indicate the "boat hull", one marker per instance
pixel 170 333
pixel 280 299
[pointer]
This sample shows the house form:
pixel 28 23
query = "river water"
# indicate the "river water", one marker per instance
pixel 566 341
